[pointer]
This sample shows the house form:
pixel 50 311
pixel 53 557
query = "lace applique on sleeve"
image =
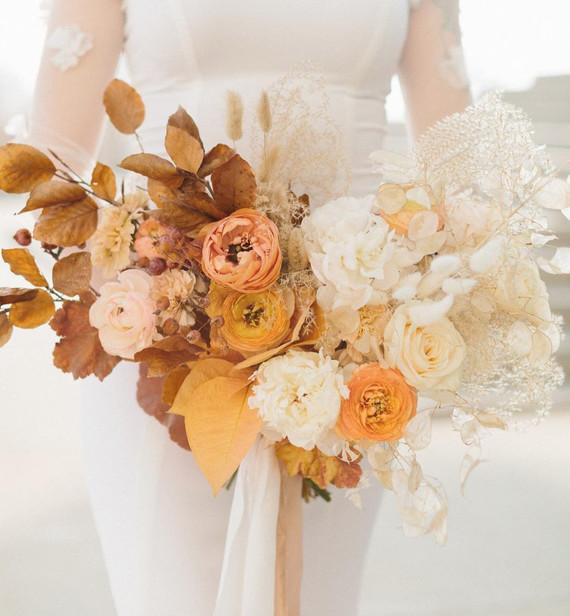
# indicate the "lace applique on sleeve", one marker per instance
pixel 452 64
pixel 69 43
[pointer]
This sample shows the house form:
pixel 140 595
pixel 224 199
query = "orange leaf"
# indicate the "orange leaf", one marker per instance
pixel 161 194
pixel 221 428
pixel 48 194
pixel 22 167
pixel 234 185
pixel 172 383
pixel 202 202
pixel 185 219
pixel 6 329
pixel 167 354
pixel 80 351
pixel 215 158
pixel 186 151
pixel 34 313
pixel 124 106
pixel 9 295
pixel 22 263
pixel 181 119
pixel 72 275
pixel 103 182
pixel 155 167
pixel 67 225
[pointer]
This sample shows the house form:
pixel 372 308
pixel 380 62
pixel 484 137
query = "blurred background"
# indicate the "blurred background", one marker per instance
pixel 509 541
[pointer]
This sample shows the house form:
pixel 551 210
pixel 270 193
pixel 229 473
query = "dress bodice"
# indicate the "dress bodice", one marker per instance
pixel 189 53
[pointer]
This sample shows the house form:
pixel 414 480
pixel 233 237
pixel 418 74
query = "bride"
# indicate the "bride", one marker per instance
pixel 161 530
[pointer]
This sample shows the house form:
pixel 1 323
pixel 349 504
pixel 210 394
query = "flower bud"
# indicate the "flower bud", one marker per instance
pixel 170 327
pixel 23 237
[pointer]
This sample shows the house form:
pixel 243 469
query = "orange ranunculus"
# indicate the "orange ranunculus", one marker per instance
pixel 242 252
pixel 379 406
pixel 257 321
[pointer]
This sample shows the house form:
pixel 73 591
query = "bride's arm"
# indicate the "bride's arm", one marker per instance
pixel 68 112
pixel 432 72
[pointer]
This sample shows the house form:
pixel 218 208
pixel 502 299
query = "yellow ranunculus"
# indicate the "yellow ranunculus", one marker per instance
pixel 256 321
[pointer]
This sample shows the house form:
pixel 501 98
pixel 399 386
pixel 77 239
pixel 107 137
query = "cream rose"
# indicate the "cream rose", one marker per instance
pixel 298 396
pixel 124 314
pixel 430 356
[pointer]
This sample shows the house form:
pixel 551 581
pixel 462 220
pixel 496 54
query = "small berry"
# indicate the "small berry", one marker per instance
pixel 163 303
pixel 156 267
pixel 217 321
pixel 23 237
pixel 170 327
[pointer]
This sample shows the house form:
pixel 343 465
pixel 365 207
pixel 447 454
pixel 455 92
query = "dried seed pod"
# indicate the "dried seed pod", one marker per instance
pixel 296 251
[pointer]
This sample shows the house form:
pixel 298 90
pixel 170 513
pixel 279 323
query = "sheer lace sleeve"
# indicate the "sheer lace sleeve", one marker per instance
pixel 83 43
pixel 432 70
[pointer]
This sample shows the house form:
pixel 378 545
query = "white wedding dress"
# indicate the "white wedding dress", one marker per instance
pixel 162 531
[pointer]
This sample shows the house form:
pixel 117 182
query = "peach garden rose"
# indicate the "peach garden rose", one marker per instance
pixel 242 252
pixel 379 406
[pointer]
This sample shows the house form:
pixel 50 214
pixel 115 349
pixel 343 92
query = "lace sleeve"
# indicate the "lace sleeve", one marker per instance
pixel 83 44
pixel 432 70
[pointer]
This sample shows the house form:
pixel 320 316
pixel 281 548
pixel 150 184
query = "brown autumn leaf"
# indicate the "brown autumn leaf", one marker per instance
pixel 161 194
pixel 80 351
pixel 48 194
pixel 317 466
pixel 166 354
pixel 22 167
pixel 234 185
pixel 202 202
pixel 149 398
pixel 103 182
pixel 22 263
pixel 34 313
pixel 155 167
pixel 172 383
pixel 182 120
pixel 186 220
pixel 124 106
pixel 72 274
pixel 215 158
pixel 6 329
pixel 67 225
pixel 9 295
pixel 186 151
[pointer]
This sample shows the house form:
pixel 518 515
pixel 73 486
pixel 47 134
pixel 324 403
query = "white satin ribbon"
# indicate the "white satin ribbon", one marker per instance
pixel 247 582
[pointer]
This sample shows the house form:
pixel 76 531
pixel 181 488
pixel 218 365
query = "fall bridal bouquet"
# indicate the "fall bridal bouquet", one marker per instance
pixel 336 333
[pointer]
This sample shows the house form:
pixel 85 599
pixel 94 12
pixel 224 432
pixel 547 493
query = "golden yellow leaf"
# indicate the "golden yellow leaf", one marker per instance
pixel 22 167
pixel 234 185
pixel 155 167
pixel 186 151
pixel 48 194
pixel 34 313
pixel 181 119
pixel 72 274
pixel 9 295
pixel 215 158
pixel 317 466
pixel 172 383
pixel 166 354
pixel 22 263
pixel 103 182
pixel 6 329
pixel 124 106
pixel 67 225
pixel 221 428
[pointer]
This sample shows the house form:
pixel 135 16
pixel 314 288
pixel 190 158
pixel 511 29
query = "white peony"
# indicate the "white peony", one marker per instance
pixel 124 314
pixel 430 356
pixel 298 395
pixel 350 251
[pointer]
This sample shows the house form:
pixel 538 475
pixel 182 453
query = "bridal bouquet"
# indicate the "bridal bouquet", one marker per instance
pixel 336 333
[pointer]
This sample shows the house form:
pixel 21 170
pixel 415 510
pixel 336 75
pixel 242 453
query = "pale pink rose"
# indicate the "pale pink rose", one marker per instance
pixel 124 314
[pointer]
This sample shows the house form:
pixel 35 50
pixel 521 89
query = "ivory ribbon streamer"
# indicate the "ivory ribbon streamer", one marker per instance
pixel 247 582
pixel 261 571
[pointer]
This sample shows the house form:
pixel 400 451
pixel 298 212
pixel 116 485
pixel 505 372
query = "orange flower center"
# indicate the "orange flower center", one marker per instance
pixel 374 404
pixel 243 243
